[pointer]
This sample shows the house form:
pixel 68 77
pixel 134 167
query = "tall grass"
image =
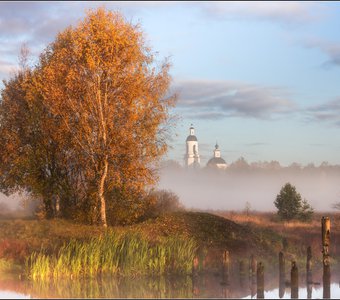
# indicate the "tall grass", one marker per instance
pixel 112 253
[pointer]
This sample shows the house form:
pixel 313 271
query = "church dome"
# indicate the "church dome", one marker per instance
pixel 191 138
pixel 216 161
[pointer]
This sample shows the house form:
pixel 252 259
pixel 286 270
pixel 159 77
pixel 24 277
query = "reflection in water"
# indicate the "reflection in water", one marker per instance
pixel 160 287
pixel 225 268
pixel 242 274
pixel 260 280
pixel 294 281
pixel 12 295
pixel 309 274
pixel 326 282
pixel 253 286
pixel 198 286
pixel 252 276
pixel 317 293
pixel 282 275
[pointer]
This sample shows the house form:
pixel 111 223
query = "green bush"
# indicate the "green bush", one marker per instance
pixel 162 201
pixel 290 205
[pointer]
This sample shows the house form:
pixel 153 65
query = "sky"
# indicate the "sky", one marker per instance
pixel 260 78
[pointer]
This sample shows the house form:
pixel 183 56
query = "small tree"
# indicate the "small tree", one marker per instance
pixel 290 205
pixel 336 205
pixel 306 211
pixel 160 202
pixel 247 208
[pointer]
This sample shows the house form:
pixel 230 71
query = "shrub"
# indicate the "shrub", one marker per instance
pixel 162 201
pixel 306 212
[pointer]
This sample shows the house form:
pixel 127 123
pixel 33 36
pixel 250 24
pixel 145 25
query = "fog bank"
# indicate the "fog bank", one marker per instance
pixel 13 202
pixel 232 189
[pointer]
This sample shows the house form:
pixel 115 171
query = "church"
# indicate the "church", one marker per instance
pixel 192 158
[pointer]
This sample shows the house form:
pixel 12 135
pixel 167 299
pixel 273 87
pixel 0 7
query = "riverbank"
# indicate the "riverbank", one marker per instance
pixel 297 235
pixel 258 235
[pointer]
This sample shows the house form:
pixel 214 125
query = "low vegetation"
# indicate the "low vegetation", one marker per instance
pixel 296 235
pixel 162 245
pixel 166 244
pixel 112 253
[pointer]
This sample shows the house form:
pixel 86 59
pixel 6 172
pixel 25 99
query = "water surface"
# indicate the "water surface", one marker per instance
pixel 201 286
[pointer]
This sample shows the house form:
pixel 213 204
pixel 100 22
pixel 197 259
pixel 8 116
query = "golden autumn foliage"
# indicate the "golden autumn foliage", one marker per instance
pixel 98 100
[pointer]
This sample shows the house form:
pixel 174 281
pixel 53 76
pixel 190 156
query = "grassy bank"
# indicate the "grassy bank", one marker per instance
pixel 167 244
pixel 112 253
pixel 297 235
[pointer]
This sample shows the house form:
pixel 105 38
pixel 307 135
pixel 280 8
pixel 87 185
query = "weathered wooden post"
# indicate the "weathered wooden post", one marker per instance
pixel 242 269
pixel 195 265
pixel 326 232
pixel 282 275
pixel 309 264
pixel 252 275
pixel 225 267
pixel 294 281
pixel 195 285
pixel 260 281
pixel 309 277
pixel 326 238
pixel 252 266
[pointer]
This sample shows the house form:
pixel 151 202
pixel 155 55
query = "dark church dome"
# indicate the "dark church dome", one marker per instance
pixel 191 138
pixel 216 161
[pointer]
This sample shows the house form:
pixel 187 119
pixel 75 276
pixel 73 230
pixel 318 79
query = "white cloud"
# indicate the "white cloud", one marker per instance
pixel 284 12
pixel 37 23
pixel 330 49
pixel 220 99
pixel 327 112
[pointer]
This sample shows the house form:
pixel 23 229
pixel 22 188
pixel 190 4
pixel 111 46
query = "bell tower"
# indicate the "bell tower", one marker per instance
pixel 192 158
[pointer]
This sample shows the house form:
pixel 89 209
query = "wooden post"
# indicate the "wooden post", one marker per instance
pixel 282 275
pixel 252 275
pixel 252 266
pixel 260 280
pixel 225 267
pixel 195 265
pixel 242 270
pixel 326 232
pixel 309 277
pixel 309 263
pixel 294 281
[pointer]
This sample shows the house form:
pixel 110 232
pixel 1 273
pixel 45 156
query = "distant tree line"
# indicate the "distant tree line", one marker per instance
pixel 241 164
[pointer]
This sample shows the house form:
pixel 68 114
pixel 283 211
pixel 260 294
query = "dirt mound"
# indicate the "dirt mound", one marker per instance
pixel 215 233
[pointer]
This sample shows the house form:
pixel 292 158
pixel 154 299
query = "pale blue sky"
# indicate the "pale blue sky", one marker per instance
pixel 261 78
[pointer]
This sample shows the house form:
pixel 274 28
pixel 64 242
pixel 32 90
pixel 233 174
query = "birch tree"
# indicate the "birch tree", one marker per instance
pixel 107 100
pixel 103 82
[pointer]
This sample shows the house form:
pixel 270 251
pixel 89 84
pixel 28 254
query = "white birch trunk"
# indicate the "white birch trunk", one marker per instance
pixel 101 195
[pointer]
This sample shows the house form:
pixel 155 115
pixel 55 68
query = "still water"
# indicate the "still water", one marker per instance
pixel 240 286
